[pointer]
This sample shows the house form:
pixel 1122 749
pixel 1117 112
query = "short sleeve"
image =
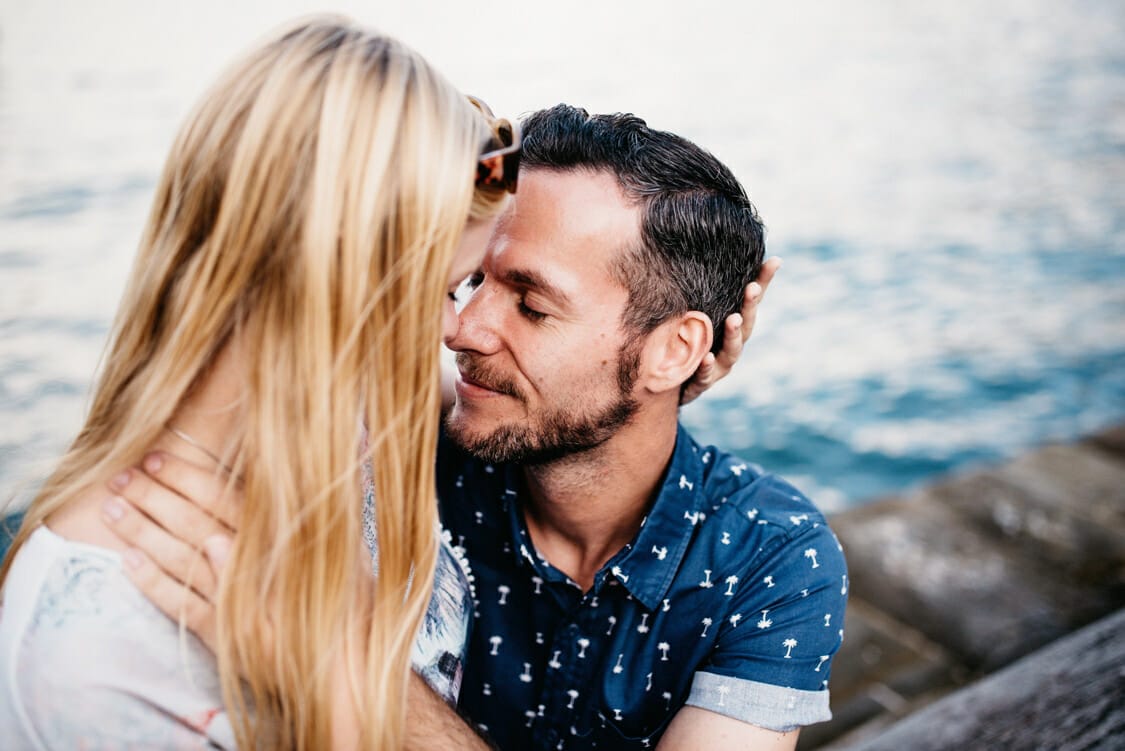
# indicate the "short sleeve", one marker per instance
pixel 771 662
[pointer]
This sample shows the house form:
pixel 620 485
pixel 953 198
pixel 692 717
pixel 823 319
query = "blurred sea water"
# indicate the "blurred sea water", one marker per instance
pixel 946 184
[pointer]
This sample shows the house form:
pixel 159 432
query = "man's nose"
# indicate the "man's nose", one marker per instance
pixel 478 324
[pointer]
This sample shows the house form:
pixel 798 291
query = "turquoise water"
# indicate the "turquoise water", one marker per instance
pixel 944 183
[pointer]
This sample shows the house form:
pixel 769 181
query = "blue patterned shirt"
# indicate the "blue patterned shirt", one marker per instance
pixel 730 598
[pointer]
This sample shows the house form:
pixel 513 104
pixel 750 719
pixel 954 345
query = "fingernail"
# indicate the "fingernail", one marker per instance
pixel 113 510
pixel 218 549
pixel 755 290
pixel 120 480
pixel 779 261
pixel 736 320
pixel 153 462
pixel 133 558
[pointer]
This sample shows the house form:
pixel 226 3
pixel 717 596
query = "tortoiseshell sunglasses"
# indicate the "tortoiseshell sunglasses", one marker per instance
pixel 498 167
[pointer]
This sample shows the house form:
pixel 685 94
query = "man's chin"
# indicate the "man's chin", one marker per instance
pixel 495 446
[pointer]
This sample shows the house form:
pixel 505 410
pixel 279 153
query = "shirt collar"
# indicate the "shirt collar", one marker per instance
pixel 648 565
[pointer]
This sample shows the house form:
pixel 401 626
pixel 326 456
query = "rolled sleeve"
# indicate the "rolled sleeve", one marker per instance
pixel 762 704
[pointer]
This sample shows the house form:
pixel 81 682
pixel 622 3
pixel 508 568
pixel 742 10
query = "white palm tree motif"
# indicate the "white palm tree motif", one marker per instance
pixel 723 691
pixel 667 697
pixel 620 574
pixel 764 622
pixel 664 647
pixel 538 637
pixel 573 696
pixel 734 619
pixel 648 684
pixel 617 669
pixel 495 641
pixel 752 514
pixel 660 553
pixel 487 689
pixel 844 588
pixel 693 517
pixel 769 582
pixel 666 607
pixel 612 623
pixel 731 581
pixel 525 676
pixel 706 625
pixel 538 584
pixel 684 483
pixel 811 553
pixel 738 469
pixel 582 644
pixel 643 628
pixel 726 538
pixel 823 659
pixel 796 520
pixel 789 644
pixel 554 664
pixel 503 590
pixel 707 583
pixel 617 714
pixel 530 715
pixel 827 620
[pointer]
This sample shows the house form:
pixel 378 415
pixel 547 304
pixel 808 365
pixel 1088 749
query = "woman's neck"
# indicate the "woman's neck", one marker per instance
pixel 205 430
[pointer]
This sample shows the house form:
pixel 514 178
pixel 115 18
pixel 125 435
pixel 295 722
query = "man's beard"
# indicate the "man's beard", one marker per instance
pixel 559 433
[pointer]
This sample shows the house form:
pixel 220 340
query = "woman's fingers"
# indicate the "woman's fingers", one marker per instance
pixel 178 602
pixel 190 501
pixel 751 298
pixel 737 329
pixel 179 560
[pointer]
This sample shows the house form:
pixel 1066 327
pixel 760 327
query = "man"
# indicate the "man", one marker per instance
pixel 630 584
pixel 633 589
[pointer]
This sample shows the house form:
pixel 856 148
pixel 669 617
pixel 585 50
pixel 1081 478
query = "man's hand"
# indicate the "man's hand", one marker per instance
pixel 738 326
pixel 178 520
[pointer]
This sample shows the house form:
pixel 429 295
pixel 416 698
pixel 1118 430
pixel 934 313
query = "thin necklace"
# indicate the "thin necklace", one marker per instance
pixel 192 442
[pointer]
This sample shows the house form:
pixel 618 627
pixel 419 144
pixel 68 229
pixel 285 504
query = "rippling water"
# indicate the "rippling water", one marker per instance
pixel 945 184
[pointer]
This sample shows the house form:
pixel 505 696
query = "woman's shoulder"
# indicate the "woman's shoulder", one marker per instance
pixel 75 633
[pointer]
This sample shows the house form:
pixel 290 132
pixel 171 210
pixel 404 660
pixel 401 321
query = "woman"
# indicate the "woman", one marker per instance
pixel 288 291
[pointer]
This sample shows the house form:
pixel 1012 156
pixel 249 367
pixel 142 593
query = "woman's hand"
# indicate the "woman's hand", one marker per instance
pixel 739 326
pixel 178 520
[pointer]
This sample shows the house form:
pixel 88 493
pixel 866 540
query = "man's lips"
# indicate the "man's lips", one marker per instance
pixel 467 386
pixel 469 380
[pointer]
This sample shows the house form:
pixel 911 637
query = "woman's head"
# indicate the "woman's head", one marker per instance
pixel 307 214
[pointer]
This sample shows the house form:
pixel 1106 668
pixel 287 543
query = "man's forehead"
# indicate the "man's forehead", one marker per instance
pixel 579 218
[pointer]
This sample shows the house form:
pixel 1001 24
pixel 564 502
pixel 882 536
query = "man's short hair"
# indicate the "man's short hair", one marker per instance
pixel 701 239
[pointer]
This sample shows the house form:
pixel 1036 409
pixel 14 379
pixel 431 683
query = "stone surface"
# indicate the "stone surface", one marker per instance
pixel 959 579
pixel 1070 695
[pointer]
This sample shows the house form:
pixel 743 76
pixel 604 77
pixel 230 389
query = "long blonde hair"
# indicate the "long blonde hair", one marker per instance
pixel 309 208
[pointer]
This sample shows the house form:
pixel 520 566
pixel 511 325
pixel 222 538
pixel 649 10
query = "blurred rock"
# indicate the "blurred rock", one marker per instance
pixel 961 578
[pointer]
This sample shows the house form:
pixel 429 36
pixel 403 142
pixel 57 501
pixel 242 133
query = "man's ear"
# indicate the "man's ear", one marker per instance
pixel 674 350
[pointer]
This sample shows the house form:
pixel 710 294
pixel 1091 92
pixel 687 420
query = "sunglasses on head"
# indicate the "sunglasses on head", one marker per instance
pixel 498 167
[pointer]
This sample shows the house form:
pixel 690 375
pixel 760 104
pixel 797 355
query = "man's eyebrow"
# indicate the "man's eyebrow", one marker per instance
pixel 532 280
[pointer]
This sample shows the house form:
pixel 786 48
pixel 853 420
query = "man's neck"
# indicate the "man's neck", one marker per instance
pixel 586 507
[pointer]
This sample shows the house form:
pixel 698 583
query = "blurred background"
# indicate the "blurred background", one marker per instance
pixel 945 181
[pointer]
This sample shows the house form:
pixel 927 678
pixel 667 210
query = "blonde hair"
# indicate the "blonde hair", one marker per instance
pixel 309 208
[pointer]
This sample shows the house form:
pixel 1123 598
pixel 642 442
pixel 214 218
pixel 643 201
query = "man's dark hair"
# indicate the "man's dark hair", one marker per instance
pixel 701 239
